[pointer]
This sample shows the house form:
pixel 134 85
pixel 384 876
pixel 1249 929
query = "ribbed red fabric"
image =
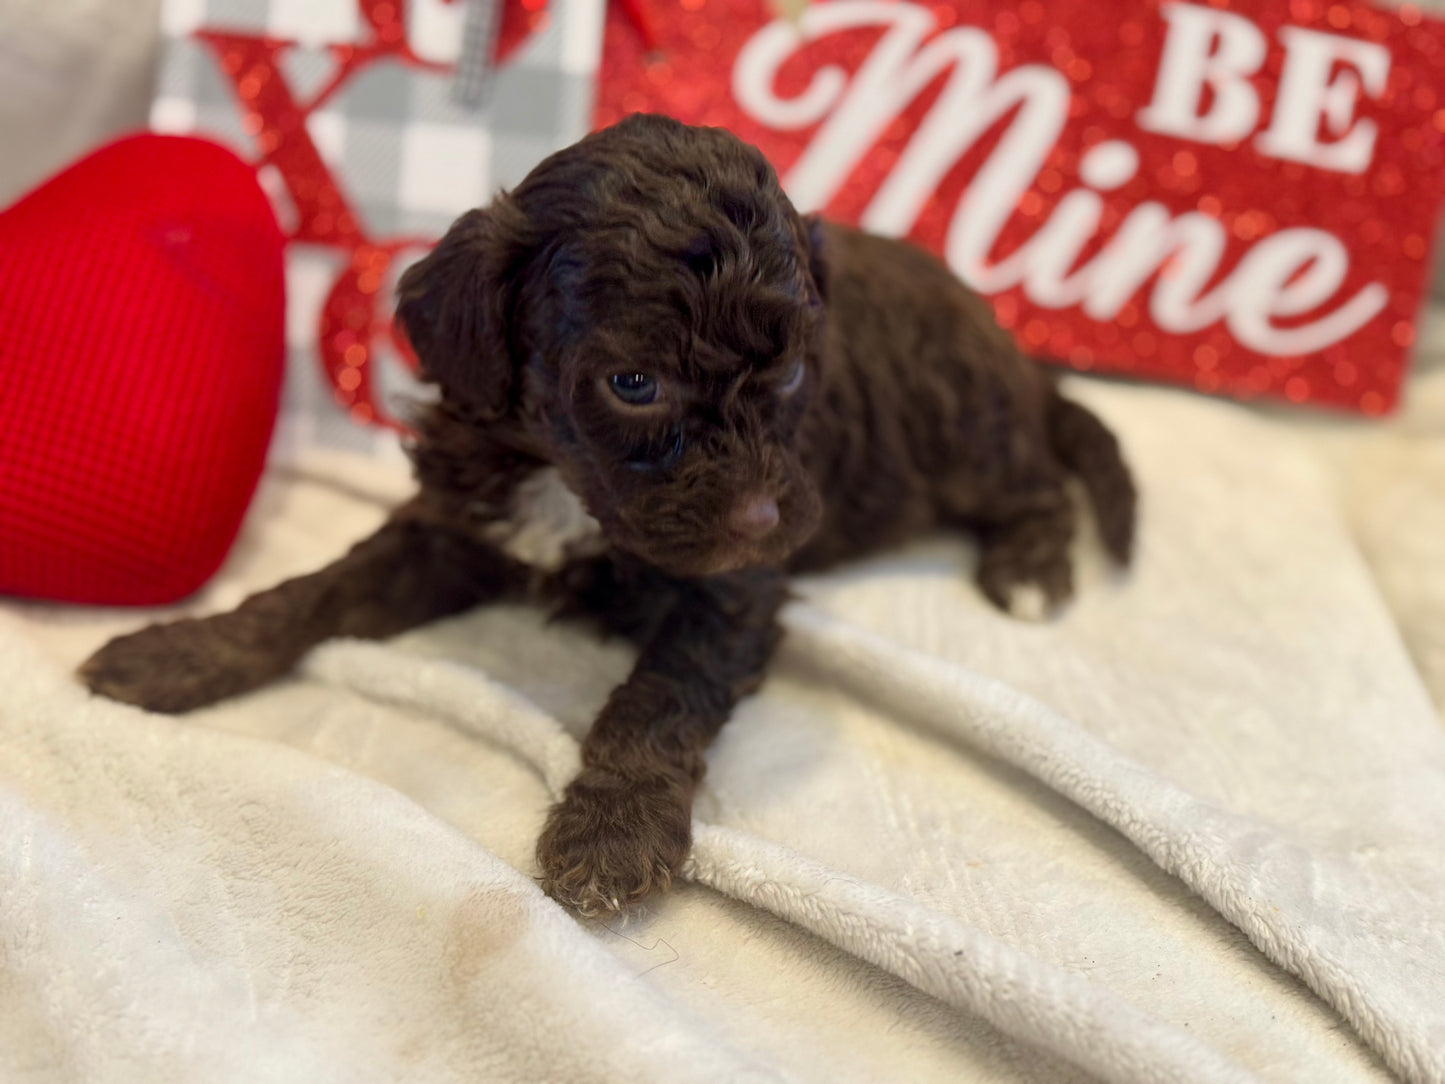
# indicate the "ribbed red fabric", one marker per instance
pixel 142 339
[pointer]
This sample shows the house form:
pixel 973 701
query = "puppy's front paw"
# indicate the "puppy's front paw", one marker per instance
pixel 612 841
pixel 179 666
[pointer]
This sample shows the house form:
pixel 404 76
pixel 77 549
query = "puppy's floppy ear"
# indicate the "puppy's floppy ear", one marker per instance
pixel 454 306
pixel 816 248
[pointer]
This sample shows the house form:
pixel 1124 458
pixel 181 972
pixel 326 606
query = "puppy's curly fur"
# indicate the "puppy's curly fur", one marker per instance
pixel 732 392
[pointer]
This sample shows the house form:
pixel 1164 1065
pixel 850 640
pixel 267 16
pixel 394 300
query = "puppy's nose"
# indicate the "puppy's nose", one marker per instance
pixel 754 517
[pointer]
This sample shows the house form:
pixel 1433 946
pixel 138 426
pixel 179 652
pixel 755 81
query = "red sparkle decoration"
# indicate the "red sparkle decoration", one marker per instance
pixel 356 313
pixel 325 215
pixel 1233 195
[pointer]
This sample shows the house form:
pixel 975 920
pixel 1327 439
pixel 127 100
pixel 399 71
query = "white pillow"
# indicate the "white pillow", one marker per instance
pixel 73 73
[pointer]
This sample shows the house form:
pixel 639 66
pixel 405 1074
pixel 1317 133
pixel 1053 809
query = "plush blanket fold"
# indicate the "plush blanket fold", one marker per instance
pixel 1191 831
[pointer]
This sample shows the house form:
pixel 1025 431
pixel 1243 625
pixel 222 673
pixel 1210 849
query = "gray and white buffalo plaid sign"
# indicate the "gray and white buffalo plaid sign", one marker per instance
pixel 363 117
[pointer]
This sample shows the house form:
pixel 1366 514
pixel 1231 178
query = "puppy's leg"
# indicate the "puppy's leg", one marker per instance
pixel 407 574
pixel 1024 565
pixel 623 827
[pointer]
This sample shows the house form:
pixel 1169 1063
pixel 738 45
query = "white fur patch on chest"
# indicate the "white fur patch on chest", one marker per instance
pixel 547 525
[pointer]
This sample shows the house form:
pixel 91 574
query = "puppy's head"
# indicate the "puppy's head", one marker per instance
pixel 643 310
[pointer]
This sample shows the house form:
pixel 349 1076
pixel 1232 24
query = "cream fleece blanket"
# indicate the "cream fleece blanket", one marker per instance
pixel 1191 831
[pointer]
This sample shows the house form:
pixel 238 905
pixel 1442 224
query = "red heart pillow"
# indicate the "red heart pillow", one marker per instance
pixel 142 338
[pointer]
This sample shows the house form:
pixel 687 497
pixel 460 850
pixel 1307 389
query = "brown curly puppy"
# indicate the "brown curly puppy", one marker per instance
pixel 662 391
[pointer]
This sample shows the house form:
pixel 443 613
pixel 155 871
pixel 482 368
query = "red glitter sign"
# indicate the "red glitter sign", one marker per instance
pixel 1236 196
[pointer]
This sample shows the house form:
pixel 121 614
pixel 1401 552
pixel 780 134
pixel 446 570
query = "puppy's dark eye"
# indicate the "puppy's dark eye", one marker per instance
pixel 634 389
pixel 792 379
